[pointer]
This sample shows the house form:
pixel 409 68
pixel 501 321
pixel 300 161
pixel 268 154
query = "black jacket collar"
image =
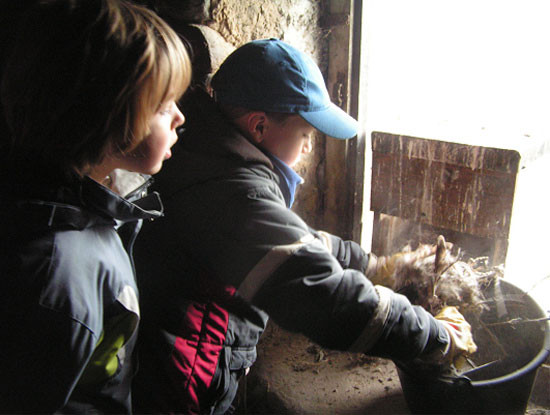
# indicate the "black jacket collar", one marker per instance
pixel 85 204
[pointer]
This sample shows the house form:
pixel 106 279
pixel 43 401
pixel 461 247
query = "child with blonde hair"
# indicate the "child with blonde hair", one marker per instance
pixel 89 94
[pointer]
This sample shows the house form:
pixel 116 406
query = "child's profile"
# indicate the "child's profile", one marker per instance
pixel 89 92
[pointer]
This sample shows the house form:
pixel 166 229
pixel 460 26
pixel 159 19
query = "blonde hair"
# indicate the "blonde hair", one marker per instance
pixel 85 77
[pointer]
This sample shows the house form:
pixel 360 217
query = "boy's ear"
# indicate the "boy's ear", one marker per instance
pixel 256 125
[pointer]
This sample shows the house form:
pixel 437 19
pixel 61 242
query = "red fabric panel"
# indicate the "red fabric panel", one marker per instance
pixel 197 350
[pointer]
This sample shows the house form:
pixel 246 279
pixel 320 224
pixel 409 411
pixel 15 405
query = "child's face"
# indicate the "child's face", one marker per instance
pixel 289 139
pixel 149 155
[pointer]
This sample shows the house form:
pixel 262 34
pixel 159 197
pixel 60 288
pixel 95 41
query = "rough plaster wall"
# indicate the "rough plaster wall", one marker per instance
pixel 294 21
pixel 297 23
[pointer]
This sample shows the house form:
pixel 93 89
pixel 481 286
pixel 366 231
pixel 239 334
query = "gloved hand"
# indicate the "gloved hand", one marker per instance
pixel 380 270
pixel 461 343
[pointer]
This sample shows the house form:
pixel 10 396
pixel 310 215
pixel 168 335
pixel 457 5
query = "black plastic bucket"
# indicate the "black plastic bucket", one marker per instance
pixel 503 387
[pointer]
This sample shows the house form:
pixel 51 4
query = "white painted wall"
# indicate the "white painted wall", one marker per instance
pixel 459 64
pixel 473 71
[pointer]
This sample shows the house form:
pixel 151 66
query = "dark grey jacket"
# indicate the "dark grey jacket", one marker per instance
pixel 68 304
pixel 226 229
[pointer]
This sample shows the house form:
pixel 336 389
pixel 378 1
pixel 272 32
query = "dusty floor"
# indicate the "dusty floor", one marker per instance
pixel 295 376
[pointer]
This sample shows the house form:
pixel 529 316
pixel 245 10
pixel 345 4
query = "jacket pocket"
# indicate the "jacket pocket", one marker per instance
pixel 231 367
pixel 242 358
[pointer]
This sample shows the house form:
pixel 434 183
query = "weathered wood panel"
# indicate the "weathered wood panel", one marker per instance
pixel 459 187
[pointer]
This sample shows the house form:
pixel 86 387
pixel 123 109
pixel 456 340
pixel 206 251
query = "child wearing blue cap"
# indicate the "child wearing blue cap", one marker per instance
pixel 230 253
pixel 90 88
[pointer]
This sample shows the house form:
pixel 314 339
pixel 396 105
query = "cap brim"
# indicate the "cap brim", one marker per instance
pixel 333 122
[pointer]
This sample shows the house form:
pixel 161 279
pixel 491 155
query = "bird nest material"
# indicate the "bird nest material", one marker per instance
pixel 436 278
pixel 506 323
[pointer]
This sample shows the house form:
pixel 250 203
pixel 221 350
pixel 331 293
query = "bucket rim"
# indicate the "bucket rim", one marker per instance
pixel 537 360
pixel 534 364
pixel 531 366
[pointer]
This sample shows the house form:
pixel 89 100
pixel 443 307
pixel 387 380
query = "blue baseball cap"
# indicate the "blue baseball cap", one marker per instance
pixel 270 75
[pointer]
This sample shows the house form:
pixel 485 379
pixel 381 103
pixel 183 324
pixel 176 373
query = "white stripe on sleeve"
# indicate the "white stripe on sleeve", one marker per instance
pixel 269 264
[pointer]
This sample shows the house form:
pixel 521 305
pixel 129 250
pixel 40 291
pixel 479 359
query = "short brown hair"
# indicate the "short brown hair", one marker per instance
pixel 84 78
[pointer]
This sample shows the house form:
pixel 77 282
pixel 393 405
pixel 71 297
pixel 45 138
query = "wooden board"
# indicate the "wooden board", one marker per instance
pixel 459 187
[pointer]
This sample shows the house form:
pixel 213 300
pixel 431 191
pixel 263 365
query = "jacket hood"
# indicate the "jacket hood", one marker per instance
pixel 208 131
pixel 209 147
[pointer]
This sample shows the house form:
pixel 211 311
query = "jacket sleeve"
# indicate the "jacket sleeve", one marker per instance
pixel 311 293
pixel 46 350
pixel 278 264
pixel 348 253
pixel 43 364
